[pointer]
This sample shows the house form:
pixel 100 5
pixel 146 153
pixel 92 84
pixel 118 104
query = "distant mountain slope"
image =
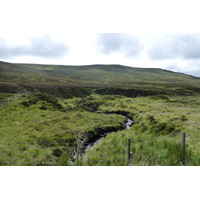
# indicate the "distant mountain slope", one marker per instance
pixel 96 76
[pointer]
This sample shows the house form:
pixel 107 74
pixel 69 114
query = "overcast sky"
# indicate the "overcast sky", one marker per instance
pixel 78 32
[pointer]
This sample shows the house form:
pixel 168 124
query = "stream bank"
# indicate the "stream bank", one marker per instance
pixel 95 140
pixel 102 133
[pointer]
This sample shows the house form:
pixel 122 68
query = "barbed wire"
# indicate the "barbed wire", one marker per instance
pixel 124 159
pixel 38 143
pixel 32 164
pixel 86 144
pixel 90 143
pixel 36 147
pixel 192 146
pixel 6 102
pixel 103 160
pixel 194 138
pixel 92 161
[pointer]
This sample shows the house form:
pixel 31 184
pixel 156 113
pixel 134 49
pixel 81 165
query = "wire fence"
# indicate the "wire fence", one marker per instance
pixel 4 102
pixel 126 152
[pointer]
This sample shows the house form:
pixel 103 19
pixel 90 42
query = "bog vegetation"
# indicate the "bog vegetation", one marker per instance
pixel 39 129
pixel 49 124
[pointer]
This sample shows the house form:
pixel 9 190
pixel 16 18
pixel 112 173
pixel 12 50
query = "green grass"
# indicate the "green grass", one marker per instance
pixel 156 134
pixel 39 124
pixel 39 127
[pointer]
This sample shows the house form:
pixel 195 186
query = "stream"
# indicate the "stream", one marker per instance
pixel 129 122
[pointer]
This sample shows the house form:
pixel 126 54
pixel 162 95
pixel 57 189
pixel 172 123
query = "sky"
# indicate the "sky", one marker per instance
pixel 147 34
pixel 139 33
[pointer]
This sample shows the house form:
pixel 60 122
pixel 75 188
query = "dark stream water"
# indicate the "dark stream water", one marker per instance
pixel 98 138
pixel 129 122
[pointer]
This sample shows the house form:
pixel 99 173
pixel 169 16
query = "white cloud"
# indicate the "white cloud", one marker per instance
pixel 129 46
pixel 43 46
pixel 185 46
pixel 71 26
pixel 136 50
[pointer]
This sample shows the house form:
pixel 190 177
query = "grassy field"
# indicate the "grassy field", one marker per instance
pixel 49 112
pixel 39 129
pixel 156 134
pixel 34 127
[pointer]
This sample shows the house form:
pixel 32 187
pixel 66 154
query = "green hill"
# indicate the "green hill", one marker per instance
pixel 38 128
pixel 102 78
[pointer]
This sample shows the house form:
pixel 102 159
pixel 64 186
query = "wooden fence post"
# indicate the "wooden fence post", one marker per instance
pixel 183 148
pixel 129 152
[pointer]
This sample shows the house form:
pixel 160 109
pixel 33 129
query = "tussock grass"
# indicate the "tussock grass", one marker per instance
pixel 34 126
pixel 156 134
pixel 38 129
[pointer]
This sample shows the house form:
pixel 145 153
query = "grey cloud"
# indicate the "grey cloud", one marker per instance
pixel 43 46
pixel 168 46
pixel 186 66
pixel 186 70
pixel 118 42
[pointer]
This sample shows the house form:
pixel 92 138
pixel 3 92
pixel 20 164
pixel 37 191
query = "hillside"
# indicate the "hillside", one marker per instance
pixel 50 113
pixel 104 78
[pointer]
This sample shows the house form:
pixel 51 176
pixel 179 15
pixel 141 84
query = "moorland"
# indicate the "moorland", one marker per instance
pixel 50 112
